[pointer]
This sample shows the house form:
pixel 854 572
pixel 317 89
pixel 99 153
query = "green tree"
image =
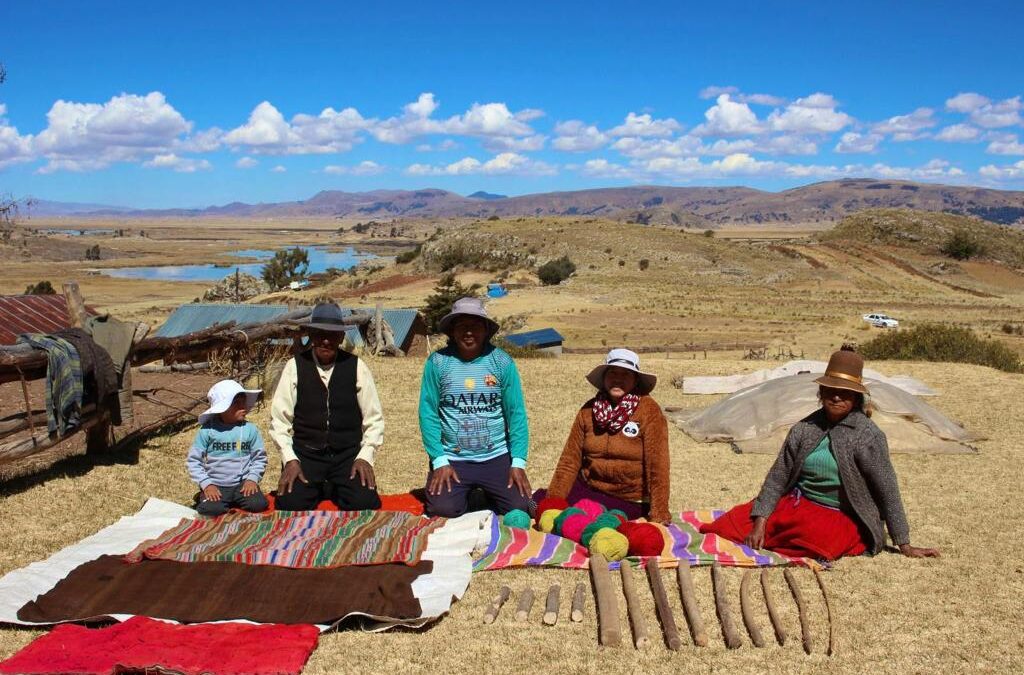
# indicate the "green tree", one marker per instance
pixel 556 271
pixel 40 288
pixel 287 265
pixel 962 245
pixel 447 291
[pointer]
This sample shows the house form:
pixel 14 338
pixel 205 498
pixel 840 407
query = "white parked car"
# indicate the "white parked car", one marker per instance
pixel 881 320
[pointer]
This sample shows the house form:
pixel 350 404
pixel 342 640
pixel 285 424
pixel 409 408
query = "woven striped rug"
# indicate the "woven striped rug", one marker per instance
pixel 298 539
pixel 511 547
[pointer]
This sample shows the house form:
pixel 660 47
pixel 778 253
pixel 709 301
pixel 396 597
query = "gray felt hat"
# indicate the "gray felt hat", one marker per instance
pixel 327 316
pixel 468 307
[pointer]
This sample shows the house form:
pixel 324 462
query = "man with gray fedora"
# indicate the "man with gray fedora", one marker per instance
pixel 326 418
pixel 473 418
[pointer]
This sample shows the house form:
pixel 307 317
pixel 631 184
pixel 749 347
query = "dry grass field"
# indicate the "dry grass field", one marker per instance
pixel 962 612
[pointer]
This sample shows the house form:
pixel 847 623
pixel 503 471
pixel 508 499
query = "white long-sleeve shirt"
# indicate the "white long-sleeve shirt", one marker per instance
pixel 282 409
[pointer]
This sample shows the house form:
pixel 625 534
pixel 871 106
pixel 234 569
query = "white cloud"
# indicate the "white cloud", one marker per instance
pixel 489 121
pixel 966 102
pixel 423 106
pixel 246 163
pixel 577 136
pixel 267 132
pixel 443 146
pixel 1015 170
pixel 508 144
pixel 852 142
pixel 812 114
pixel 909 127
pixel 279 169
pixel 1005 144
pixel 690 146
pixel 504 164
pixel 602 168
pixel 364 168
pixel 639 148
pixel 180 164
pixel 958 133
pixel 644 126
pixel 13 146
pixel 729 118
pixel 736 95
pixel 85 136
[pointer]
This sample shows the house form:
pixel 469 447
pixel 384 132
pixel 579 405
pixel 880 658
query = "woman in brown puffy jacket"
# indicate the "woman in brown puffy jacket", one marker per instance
pixel 617 450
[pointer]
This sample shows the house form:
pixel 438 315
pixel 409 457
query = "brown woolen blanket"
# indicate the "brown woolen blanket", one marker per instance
pixel 217 591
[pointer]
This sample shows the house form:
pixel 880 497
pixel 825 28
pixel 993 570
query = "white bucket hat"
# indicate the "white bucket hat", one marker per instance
pixel 623 358
pixel 222 394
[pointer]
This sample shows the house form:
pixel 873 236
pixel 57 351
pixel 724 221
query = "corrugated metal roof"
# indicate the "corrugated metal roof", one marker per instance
pixel 400 320
pixel 33 314
pixel 545 337
pixel 197 316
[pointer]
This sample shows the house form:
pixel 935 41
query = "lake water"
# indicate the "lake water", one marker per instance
pixel 76 232
pixel 320 259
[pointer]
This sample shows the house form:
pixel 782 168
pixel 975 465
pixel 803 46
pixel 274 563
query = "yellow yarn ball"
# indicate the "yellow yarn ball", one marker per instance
pixel 547 520
pixel 611 544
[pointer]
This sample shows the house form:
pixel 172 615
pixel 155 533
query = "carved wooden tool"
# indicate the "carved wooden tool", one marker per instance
pixel 773 613
pixel 636 617
pixel 551 605
pixel 668 621
pixel 524 606
pixel 747 610
pixel 579 601
pixel 609 632
pixel 690 608
pixel 496 603
pixel 729 632
pixel 805 627
pixel 828 609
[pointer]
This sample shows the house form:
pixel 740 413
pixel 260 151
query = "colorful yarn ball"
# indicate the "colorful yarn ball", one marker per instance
pixel 644 539
pixel 561 517
pixel 546 522
pixel 549 503
pixel 609 543
pixel 621 515
pixel 574 525
pixel 590 507
pixel 517 518
pixel 602 521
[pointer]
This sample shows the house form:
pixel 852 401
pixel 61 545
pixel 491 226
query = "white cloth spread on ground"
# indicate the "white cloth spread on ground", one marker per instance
pixel 450 548
pixel 728 384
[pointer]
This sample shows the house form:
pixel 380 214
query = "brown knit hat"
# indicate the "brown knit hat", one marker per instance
pixel 844 371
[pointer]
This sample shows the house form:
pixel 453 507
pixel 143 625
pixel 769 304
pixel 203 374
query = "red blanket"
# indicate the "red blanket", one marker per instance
pixel 141 644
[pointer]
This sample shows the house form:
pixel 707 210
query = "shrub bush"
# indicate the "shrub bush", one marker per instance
pixel 936 342
pixel 556 271
pixel 447 291
pixel 40 288
pixel 962 245
pixel 409 256
pixel 644 264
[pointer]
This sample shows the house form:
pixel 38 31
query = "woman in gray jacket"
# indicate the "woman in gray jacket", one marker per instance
pixel 832 485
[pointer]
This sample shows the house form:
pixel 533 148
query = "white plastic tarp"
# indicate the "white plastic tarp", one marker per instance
pixel 728 384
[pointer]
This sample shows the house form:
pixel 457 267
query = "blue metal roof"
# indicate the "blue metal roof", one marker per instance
pixel 197 316
pixel 545 337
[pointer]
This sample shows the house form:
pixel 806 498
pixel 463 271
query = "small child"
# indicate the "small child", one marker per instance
pixel 227 458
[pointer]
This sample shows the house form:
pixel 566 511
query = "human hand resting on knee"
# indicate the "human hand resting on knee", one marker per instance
pixel 364 470
pixel 249 488
pixel 517 477
pixel 756 537
pixel 292 471
pixel 442 478
pixel 212 493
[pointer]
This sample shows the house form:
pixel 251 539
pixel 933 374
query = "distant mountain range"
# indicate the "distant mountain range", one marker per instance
pixel 701 207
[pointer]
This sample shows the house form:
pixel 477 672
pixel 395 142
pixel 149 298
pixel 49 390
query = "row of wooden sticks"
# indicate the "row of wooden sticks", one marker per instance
pixel 610 634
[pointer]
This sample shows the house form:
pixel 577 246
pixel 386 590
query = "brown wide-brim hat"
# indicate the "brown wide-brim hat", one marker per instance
pixel 467 307
pixel 623 358
pixel 845 370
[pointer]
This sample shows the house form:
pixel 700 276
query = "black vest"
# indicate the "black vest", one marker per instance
pixel 327 420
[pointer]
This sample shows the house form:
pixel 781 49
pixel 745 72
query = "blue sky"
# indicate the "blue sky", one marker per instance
pixel 191 104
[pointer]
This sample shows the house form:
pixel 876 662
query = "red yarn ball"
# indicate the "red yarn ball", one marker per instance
pixel 645 539
pixel 549 503
pixel 574 525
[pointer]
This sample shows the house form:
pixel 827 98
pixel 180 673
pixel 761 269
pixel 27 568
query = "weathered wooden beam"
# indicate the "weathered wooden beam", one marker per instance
pixel 801 606
pixel 729 632
pixel 773 612
pixel 609 631
pixel 551 604
pixel 747 610
pixel 579 601
pixel 690 608
pixel 500 599
pixel 661 604
pixel 641 638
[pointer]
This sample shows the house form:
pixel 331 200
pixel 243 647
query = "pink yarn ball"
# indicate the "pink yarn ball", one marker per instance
pixel 574 525
pixel 590 507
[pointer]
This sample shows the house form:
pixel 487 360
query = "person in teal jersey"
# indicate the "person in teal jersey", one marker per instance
pixel 473 418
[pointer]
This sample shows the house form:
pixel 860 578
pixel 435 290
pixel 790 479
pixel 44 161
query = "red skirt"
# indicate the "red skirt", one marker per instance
pixel 797 527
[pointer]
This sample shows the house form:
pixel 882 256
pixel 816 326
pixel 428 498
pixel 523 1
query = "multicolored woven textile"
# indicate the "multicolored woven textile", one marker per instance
pixel 298 539
pixel 511 547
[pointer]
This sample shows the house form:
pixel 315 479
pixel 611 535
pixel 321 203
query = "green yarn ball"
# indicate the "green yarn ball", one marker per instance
pixel 601 522
pixel 562 516
pixel 517 518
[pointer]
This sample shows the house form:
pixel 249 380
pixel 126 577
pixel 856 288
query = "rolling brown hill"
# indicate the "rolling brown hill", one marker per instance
pixel 696 207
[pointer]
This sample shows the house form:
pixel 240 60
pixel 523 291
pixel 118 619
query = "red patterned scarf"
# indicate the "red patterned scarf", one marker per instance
pixel 611 418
